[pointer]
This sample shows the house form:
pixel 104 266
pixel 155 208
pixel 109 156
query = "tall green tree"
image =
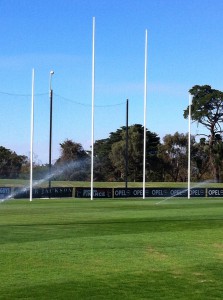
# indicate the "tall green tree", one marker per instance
pixel 11 163
pixel 200 166
pixel 207 110
pixel 104 169
pixel 110 155
pixel 173 152
pixel 135 153
pixel 71 151
pixel 73 163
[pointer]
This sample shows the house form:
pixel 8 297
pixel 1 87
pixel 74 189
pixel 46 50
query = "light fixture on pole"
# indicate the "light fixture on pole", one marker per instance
pixel 50 139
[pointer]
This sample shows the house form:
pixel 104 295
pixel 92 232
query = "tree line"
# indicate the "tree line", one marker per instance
pixel 166 160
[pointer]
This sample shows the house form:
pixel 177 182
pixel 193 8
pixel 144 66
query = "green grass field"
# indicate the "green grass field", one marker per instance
pixel 111 249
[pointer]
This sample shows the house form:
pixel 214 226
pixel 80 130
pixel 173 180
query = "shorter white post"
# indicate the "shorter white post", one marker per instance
pixel 31 137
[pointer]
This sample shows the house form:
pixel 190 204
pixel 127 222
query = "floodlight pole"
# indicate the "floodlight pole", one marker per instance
pixel 51 119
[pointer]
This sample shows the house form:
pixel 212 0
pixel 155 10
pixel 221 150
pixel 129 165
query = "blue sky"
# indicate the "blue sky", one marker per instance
pixel 185 46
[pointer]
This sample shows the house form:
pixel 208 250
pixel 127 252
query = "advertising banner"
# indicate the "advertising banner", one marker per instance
pixel 198 192
pixel 157 192
pixel 167 192
pixel 129 193
pixel 97 192
pixel 54 192
pixel 215 192
pixel 5 192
